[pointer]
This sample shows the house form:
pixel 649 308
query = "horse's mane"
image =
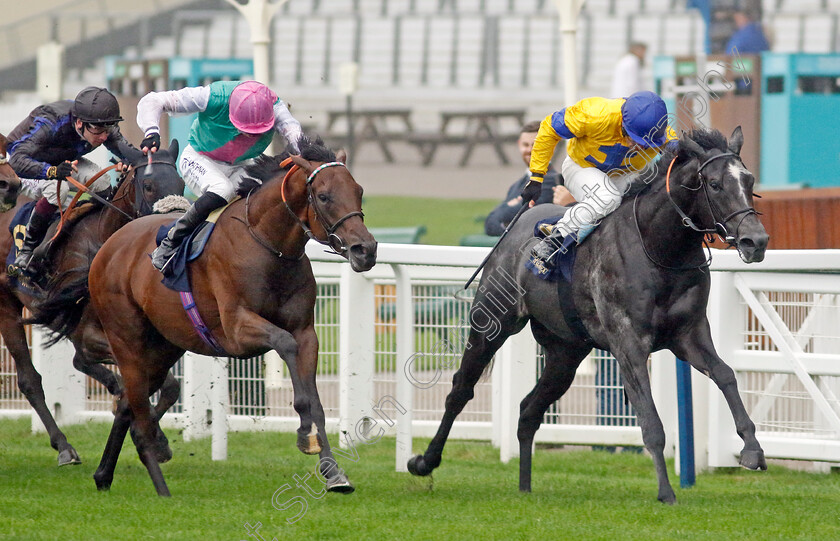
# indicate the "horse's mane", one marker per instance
pixel 654 173
pixel 267 167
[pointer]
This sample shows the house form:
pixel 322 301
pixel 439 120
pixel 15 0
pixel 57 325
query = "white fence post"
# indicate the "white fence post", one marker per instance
pixel 64 386
pixel 205 401
pixel 405 349
pixel 726 316
pixel 663 382
pixel 219 406
pixel 197 396
pixel 356 358
pixel 518 376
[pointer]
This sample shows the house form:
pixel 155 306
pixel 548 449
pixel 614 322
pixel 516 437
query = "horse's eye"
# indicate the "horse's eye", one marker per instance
pixel 324 198
pixel 715 186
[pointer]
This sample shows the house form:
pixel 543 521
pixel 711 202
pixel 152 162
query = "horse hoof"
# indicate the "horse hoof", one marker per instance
pixel 68 457
pixel 753 460
pixel 340 484
pixel 102 485
pixel 669 500
pixel 309 444
pixel 163 453
pixel 417 466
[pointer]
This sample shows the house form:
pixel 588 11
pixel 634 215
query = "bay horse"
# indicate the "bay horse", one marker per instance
pixel 9 181
pixel 640 284
pixel 253 287
pixel 70 251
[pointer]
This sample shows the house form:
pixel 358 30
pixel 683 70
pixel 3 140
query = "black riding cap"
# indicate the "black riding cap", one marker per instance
pixel 96 105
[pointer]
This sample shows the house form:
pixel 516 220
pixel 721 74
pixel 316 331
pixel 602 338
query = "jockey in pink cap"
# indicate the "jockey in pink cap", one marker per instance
pixel 235 124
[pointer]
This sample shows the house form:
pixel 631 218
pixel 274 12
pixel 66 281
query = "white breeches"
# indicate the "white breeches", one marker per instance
pixel 202 174
pixel 37 188
pixel 597 194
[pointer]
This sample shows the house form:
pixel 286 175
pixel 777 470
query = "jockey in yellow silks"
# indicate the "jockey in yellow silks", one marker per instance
pixel 610 141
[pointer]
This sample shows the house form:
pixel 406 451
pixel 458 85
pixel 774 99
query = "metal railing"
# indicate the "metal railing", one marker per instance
pixel 777 324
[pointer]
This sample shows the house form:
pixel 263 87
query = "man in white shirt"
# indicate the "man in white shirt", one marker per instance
pixel 627 75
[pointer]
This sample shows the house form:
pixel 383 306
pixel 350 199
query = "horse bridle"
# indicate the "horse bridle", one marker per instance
pixel 334 241
pixel 141 204
pixel 719 224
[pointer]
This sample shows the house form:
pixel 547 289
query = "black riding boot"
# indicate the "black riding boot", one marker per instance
pixel 36 230
pixel 550 246
pixel 185 225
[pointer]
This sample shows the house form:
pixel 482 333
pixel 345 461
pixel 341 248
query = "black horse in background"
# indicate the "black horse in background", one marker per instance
pixel 640 284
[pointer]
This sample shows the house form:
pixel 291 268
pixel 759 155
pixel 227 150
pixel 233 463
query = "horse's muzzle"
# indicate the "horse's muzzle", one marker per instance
pixel 752 247
pixel 362 256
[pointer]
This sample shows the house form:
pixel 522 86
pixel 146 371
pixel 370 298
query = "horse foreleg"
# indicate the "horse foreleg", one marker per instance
pixel 477 356
pixel 137 391
pixel 169 392
pixel 306 364
pixel 698 350
pixel 561 362
pixel 29 383
pixel 637 386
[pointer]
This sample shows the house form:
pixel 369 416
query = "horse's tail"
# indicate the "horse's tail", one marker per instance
pixel 63 307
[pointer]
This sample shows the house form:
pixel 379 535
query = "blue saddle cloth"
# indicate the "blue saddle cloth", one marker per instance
pixel 176 277
pixel 563 263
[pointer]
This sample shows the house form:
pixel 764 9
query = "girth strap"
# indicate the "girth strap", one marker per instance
pixel 571 314
pixel 188 302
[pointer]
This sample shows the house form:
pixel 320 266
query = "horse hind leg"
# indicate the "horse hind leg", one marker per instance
pixel 29 383
pixel 477 355
pixel 561 362
pixel 104 475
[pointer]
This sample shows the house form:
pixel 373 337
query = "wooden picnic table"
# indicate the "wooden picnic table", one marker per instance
pixel 471 128
pixel 375 125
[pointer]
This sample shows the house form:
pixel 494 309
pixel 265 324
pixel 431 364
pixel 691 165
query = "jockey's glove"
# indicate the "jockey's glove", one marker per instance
pixel 152 141
pixel 531 191
pixel 61 171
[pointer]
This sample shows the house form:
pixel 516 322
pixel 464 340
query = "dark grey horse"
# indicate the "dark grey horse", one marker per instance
pixel 640 284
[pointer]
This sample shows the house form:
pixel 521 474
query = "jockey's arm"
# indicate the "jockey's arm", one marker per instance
pixel 287 125
pixel 21 152
pixel 188 100
pixel 553 128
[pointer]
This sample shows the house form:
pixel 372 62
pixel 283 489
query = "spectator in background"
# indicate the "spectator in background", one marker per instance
pixel 552 188
pixel 627 74
pixel 748 37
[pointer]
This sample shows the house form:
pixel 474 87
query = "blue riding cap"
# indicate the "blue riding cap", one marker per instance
pixel 645 119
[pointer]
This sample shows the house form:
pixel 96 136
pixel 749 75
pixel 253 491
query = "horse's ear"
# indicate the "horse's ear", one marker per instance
pixel 736 141
pixel 341 156
pixel 132 154
pixel 173 149
pixel 300 162
pixel 690 147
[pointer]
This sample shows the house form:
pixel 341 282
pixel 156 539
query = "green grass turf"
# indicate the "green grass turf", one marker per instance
pixel 579 495
pixel 446 220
